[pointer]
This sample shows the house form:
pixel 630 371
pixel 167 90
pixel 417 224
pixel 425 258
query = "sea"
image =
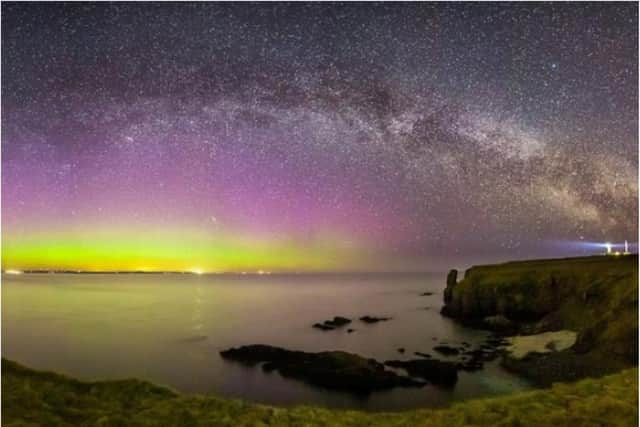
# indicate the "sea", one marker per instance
pixel 169 329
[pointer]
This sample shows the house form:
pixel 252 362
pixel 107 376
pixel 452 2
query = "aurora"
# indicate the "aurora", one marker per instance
pixel 324 139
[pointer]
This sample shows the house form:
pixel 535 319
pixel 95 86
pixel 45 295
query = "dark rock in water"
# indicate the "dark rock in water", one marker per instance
pixel 435 371
pixel 336 370
pixel 470 365
pixel 350 330
pixel 446 350
pixel 323 327
pixel 401 350
pixel 497 341
pixel 371 319
pixel 426 294
pixel 425 355
pixel 337 321
pixel 483 354
pixel 329 325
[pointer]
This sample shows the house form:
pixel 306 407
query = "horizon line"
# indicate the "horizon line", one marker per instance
pixel 214 273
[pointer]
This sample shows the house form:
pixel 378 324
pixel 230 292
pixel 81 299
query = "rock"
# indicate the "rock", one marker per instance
pixel 323 327
pixel 596 296
pixel 329 325
pixel 497 341
pixel 435 371
pixel 336 370
pixel 452 277
pixel 482 355
pixel 544 369
pixel 498 322
pixel 350 330
pixel 446 350
pixel 452 280
pixel 426 294
pixel 470 365
pixel 401 350
pixel 371 319
pixel 337 321
pixel 425 355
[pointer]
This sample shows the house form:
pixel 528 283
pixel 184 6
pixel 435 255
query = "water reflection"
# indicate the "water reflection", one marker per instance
pixel 170 328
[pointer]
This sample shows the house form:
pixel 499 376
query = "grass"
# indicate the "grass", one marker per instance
pixel 33 398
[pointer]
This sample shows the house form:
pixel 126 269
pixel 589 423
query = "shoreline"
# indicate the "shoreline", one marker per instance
pixel 536 308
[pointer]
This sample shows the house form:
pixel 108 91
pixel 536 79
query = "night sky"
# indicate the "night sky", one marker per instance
pixel 303 137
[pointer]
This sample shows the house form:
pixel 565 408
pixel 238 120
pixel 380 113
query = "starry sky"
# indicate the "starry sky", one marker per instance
pixel 315 137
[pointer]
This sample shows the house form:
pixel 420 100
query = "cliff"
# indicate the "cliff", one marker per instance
pixel 595 296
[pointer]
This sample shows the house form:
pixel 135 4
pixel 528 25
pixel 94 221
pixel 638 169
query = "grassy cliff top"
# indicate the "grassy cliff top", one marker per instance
pixel 33 398
pixel 577 265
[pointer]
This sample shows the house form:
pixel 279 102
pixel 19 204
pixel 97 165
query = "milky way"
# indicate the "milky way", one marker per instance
pixel 230 137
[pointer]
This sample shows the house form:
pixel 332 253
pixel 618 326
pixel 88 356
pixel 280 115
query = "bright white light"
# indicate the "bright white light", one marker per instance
pixel 13 272
pixel 608 246
pixel 197 271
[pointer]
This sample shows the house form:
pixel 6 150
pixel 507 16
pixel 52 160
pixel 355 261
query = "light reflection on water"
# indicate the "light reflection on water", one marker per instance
pixel 169 329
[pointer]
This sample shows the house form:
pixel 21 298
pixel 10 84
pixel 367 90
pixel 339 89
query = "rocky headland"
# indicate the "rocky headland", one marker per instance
pixel 566 318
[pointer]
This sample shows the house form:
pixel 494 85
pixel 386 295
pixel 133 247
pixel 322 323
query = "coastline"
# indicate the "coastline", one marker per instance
pixel 594 299
pixel 585 370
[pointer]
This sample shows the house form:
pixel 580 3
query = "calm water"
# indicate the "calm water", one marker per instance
pixel 169 329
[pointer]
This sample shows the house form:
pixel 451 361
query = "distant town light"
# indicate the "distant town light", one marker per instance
pixel 13 272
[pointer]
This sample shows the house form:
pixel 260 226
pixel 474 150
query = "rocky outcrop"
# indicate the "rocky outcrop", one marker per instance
pixel 446 350
pixel 373 319
pixel 452 280
pixel 336 370
pixel 330 325
pixel 595 296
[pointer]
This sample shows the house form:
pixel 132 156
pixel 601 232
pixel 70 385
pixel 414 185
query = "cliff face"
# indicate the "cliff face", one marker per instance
pixel 595 296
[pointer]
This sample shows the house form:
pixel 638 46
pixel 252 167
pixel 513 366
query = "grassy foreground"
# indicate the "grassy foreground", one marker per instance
pixel 34 398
